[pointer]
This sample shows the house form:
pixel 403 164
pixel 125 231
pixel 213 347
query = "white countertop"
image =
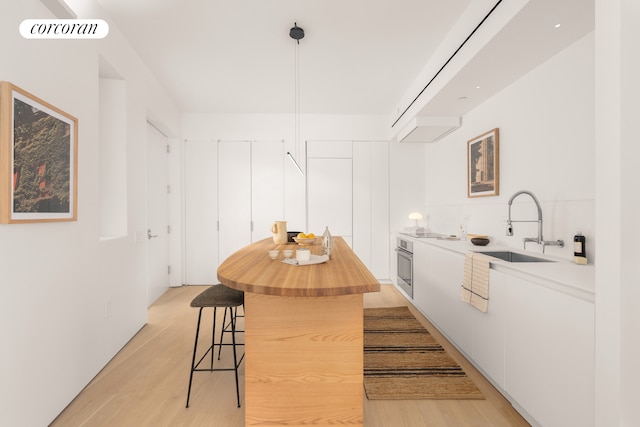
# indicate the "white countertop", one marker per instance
pixel 561 274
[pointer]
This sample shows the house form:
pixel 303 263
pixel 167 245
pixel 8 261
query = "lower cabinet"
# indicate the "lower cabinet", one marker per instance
pixel 549 354
pixel 536 344
pixel 489 330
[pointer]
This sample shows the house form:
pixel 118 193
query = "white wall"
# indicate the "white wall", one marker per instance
pixel 546 125
pixel 58 279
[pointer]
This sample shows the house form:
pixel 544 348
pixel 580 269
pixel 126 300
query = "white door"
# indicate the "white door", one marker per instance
pixel 267 187
pixel 157 214
pixel 234 197
pixel 201 212
pixel 330 184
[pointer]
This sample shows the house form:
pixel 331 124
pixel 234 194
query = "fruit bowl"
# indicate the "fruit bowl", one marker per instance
pixel 305 240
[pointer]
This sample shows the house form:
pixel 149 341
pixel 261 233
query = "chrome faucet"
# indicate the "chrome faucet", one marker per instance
pixel 539 240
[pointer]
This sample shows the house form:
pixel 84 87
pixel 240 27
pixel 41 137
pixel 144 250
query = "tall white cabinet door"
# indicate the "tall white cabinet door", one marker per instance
pixel 267 193
pixel 234 197
pixel 371 206
pixel 330 196
pixel 201 212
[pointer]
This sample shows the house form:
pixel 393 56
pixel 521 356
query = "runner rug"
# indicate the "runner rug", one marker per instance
pixel 402 360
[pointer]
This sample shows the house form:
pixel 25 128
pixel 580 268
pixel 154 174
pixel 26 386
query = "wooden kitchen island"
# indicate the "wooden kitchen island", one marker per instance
pixel 303 335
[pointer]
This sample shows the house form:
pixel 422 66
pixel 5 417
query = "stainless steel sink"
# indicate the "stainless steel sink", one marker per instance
pixel 513 256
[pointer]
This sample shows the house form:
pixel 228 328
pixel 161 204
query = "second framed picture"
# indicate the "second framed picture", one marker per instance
pixel 483 165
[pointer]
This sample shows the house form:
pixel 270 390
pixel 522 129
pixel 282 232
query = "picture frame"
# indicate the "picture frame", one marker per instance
pixel 38 159
pixel 483 165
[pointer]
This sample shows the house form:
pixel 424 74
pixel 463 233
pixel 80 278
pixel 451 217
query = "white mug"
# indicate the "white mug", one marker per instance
pixel 303 254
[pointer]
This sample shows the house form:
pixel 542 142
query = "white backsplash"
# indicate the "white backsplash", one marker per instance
pixel 561 219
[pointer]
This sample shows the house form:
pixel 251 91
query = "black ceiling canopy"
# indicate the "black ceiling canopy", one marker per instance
pixel 296 32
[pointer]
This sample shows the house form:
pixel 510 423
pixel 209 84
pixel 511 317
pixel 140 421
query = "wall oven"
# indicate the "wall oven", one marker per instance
pixel 404 250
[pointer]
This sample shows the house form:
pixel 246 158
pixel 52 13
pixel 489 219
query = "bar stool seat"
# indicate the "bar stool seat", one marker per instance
pixel 218 296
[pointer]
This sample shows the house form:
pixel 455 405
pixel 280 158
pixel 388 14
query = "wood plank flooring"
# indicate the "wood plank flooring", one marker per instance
pixel 146 382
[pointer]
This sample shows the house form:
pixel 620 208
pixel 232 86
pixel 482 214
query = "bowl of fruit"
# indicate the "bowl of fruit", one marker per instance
pixel 305 239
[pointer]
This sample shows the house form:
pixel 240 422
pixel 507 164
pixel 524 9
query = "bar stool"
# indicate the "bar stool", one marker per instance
pixel 218 296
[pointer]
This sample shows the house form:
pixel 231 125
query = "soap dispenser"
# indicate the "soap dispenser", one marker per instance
pixel 579 249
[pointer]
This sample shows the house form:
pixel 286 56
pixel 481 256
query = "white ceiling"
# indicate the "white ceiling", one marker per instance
pixel 357 57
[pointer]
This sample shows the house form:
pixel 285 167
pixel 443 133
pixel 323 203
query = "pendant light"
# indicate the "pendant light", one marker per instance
pixel 296 33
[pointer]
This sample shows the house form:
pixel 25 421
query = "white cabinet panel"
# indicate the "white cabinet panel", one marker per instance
pixel 330 197
pixel 201 212
pixel 234 197
pixel 488 330
pixel 267 193
pixel 550 354
pixel 453 315
pixel 330 149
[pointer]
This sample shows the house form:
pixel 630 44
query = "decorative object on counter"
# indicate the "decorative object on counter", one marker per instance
pixel 327 242
pixel 449 237
pixel 305 239
pixel 313 259
pixel 539 240
pixel 288 253
pixel 483 165
pixel 291 235
pixel 279 230
pixel 462 234
pixel 402 360
pixel 38 159
pixel 579 249
pixel 480 241
pixel 273 254
pixel 303 254
pixel 417 216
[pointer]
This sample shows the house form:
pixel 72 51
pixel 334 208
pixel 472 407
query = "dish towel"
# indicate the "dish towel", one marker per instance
pixel 475 283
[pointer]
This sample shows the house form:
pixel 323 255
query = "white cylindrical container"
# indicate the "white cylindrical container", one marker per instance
pixel 303 254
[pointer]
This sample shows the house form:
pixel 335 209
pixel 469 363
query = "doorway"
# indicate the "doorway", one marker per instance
pixel 158 268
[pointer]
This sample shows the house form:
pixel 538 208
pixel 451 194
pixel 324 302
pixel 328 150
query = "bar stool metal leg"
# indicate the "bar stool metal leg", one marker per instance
pixel 193 360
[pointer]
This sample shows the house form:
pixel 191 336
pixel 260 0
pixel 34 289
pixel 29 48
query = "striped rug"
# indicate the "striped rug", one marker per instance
pixel 402 360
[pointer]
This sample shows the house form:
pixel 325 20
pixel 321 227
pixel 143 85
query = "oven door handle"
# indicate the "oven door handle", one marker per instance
pixel 404 253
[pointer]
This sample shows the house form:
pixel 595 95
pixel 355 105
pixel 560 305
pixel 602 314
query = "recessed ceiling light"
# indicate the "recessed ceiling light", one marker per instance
pixel 477 87
pixel 557 26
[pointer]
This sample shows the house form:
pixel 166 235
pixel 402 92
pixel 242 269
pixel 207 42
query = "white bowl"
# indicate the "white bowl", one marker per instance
pixel 273 254
pixel 288 253
pixel 305 241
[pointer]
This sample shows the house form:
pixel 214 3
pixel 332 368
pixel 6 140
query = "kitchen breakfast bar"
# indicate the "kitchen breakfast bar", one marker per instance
pixel 303 335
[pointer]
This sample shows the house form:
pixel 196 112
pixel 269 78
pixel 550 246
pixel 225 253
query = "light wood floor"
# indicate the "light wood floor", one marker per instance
pixel 146 382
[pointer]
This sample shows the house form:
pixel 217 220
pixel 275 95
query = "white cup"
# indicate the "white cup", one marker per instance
pixel 273 254
pixel 288 253
pixel 303 254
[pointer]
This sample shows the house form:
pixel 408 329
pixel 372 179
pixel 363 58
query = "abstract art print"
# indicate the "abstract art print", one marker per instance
pixel 38 159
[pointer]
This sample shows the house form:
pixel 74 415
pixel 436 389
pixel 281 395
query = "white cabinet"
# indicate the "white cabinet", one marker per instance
pixel 348 191
pixel 234 197
pixel 451 315
pixel 201 212
pixel 488 349
pixel 549 354
pixel 234 190
pixel 535 343
pixel 250 192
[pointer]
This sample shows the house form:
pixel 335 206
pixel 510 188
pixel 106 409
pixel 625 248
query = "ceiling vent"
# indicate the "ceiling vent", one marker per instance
pixel 428 129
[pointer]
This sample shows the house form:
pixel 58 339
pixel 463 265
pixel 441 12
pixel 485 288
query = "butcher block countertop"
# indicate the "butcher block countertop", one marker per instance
pixel 251 270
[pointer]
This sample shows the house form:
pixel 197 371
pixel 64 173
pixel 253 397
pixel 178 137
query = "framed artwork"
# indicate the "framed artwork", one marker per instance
pixel 38 159
pixel 483 165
